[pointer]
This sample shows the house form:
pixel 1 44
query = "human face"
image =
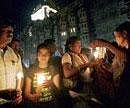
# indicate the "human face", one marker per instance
pixel 76 47
pixel 6 36
pixel 120 38
pixel 43 56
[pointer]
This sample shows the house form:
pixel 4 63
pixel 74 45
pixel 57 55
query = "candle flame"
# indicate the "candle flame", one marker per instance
pixel 41 79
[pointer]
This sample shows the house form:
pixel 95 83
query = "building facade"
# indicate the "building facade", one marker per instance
pixel 88 19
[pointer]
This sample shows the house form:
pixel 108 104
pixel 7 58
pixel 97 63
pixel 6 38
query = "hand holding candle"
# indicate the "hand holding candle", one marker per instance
pixel 43 79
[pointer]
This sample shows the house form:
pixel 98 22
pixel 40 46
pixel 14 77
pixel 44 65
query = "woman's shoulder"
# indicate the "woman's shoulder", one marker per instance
pixel 67 54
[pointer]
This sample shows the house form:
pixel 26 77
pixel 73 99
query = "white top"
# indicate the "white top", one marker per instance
pixel 10 69
pixel 77 61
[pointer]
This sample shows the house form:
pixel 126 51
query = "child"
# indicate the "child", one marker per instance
pixel 41 82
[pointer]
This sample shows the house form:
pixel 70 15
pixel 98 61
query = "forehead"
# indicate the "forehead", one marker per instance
pixel 77 42
pixel 118 33
pixel 43 50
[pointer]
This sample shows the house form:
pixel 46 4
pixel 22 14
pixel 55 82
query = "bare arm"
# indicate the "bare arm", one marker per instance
pixel 56 80
pixel 28 95
pixel 115 50
pixel 19 84
pixel 69 70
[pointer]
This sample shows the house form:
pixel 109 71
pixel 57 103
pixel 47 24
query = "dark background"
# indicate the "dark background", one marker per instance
pixel 17 11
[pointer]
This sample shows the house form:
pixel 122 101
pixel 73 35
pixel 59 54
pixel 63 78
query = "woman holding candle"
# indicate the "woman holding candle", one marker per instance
pixel 76 73
pixel 42 82
pixel 121 63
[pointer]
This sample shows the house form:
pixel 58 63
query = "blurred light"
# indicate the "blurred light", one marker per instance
pixel 42 13
pixel 99 52
pixel 72 29
pixel 30 31
pixel 63 33
pixel 41 78
pixel 26 63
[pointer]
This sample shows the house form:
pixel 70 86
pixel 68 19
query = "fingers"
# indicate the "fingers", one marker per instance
pixel 73 94
pixel 17 100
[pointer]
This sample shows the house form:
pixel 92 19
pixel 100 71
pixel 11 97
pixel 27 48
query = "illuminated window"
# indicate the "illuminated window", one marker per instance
pixel 63 33
pixel 72 29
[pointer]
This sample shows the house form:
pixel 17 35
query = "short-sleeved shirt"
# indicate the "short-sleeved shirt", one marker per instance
pixel 10 69
pixel 75 82
pixel 47 92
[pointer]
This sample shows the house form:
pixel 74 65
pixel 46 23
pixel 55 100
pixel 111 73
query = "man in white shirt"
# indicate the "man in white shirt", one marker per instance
pixel 11 71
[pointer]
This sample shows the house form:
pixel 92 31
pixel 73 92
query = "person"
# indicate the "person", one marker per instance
pixel 122 36
pixel 11 71
pixel 121 55
pixel 74 65
pixel 15 45
pixel 42 92
pixel 55 60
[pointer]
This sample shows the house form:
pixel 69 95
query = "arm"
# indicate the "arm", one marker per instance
pixel 20 75
pixel 67 65
pixel 115 50
pixel 56 80
pixel 69 70
pixel 27 91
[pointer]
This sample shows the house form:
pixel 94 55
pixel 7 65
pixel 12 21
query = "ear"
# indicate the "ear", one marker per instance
pixel 125 33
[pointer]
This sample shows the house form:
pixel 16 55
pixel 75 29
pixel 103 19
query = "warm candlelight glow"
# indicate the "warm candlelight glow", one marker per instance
pixel 41 78
pixel 99 52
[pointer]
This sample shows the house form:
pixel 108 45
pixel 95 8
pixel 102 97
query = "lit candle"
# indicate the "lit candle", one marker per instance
pixel 41 78
pixel 87 75
pixel 99 52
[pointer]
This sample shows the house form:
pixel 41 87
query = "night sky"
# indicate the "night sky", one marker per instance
pixel 17 10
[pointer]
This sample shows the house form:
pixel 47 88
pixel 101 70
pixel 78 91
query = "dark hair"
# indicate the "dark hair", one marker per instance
pixel 50 43
pixel 70 41
pixel 124 27
pixel 4 22
pixel 42 45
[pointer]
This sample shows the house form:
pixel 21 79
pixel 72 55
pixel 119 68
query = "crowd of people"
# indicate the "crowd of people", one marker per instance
pixel 70 79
